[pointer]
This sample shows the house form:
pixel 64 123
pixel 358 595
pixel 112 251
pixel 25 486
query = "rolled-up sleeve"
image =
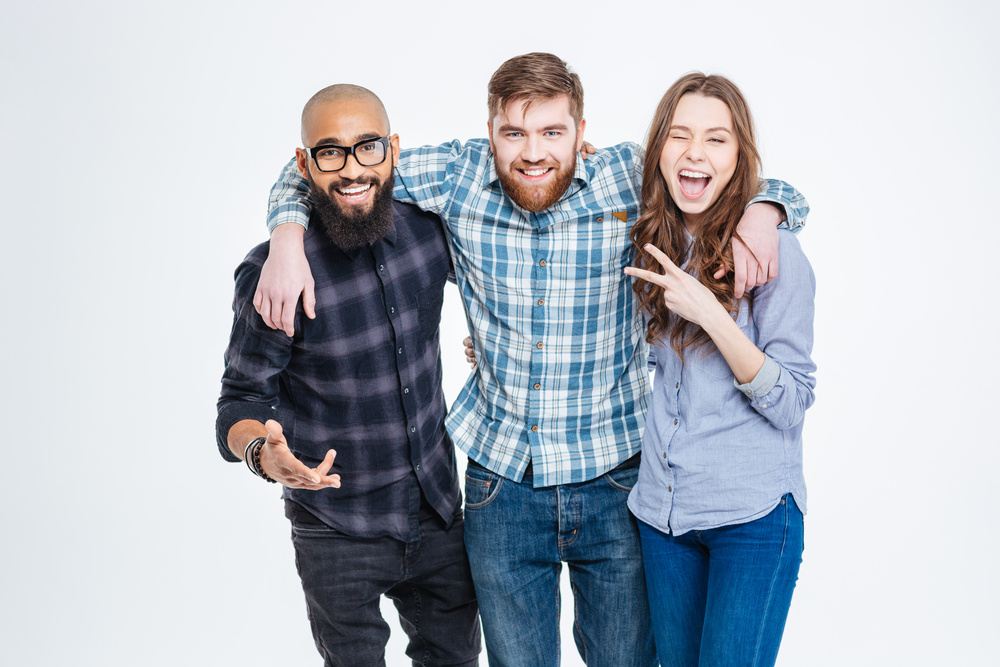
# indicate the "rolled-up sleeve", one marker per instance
pixel 783 313
pixel 791 200
pixel 289 200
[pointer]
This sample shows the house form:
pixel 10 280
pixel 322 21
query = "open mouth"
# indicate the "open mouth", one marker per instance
pixel 535 173
pixel 354 194
pixel 693 183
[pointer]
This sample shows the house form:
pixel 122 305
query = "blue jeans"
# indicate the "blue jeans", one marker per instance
pixel 720 597
pixel 518 537
pixel 344 578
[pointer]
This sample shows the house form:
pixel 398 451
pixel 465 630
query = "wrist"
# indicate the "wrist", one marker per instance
pixel 715 318
pixel 288 233
pixel 772 212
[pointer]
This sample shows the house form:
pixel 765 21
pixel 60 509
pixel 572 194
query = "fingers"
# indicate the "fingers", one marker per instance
pixel 470 352
pixel 662 258
pixel 274 431
pixel 309 299
pixel 323 470
pixel 772 270
pixel 281 465
pixel 739 274
pixel 657 278
pixel 286 316
pixel 327 462
pixel 264 307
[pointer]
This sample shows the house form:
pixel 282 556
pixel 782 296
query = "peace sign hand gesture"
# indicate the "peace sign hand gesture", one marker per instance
pixel 683 294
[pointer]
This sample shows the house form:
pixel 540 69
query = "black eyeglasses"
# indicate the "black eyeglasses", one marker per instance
pixel 368 153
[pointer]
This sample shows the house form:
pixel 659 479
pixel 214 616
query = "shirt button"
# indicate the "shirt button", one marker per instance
pixel 675 421
pixel 748 393
pixel 534 428
pixel 600 219
pixel 541 302
pixel 381 267
pixel 763 405
pixel 538 386
pixel 392 309
pixel 541 263
pixel 413 429
pixel 539 346
pixel 417 467
pixel 399 351
pixel 669 488
pixel 677 384
pixel 664 455
pixel 406 390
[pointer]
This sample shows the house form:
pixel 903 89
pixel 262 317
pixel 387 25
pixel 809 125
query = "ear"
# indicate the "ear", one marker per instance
pixel 579 134
pixel 302 162
pixel 394 145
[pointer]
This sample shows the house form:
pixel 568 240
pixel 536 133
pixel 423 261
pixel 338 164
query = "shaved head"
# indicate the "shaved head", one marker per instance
pixel 341 93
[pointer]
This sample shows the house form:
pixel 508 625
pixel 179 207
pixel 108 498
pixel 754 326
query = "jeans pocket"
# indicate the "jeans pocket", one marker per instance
pixel 622 479
pixel 481 487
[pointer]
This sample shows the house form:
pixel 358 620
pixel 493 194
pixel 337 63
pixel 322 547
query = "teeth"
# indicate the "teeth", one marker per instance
pixel 354 191
pixel 693 174
pixel 534 172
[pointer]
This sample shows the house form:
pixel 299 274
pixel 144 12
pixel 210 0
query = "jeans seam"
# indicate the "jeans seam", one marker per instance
pixel 774 578
pixel 576 620
pixel 416 624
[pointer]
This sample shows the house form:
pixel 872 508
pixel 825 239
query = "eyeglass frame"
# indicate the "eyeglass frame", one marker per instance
pixel 349 151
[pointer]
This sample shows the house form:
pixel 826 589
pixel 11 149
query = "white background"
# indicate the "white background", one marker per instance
pixel 138 144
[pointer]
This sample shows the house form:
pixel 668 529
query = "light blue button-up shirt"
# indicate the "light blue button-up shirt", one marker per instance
pixel 561 381
pixel 716 452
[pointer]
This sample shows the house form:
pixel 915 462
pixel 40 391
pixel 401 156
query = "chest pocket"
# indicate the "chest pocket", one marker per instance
pixel 429 302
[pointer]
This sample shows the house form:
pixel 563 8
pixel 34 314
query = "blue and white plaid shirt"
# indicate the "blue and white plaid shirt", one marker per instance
pixel 562 381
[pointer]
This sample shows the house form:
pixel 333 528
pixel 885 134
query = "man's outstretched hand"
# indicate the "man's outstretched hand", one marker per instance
pixel 281 465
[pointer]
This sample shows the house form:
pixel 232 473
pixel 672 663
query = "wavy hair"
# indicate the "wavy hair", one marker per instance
pixel 662 224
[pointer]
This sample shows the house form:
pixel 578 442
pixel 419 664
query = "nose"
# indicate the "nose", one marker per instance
pixel 696 151
pixel 352 169
pixel 533 150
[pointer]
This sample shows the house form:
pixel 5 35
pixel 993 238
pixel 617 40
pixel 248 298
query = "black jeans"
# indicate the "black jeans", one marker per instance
pixel 344 578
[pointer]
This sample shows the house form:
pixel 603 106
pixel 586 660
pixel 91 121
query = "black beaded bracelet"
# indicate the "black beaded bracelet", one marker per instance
pixel 256 461
pixel 247 458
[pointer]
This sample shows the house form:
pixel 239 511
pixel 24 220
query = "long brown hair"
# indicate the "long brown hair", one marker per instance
pixel 662 224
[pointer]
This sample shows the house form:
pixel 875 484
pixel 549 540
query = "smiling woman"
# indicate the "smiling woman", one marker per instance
pixel 721 493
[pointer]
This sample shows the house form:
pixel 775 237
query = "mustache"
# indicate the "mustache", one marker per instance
pixel 543 164
pixel 350 183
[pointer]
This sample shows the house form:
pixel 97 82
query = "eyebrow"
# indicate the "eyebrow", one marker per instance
pixel 326 141
pixel 711 129
pixel 513 128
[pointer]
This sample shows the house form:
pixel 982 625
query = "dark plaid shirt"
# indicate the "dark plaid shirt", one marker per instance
pixel 363 378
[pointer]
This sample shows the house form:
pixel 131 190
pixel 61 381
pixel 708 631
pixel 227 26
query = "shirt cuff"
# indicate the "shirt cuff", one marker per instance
pixel 237 412
pixel 283 213
pixel 763 382
pixel 791 221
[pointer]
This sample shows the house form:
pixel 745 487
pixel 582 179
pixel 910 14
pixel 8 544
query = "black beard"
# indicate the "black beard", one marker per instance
pixel 349 229
pixel 531 198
